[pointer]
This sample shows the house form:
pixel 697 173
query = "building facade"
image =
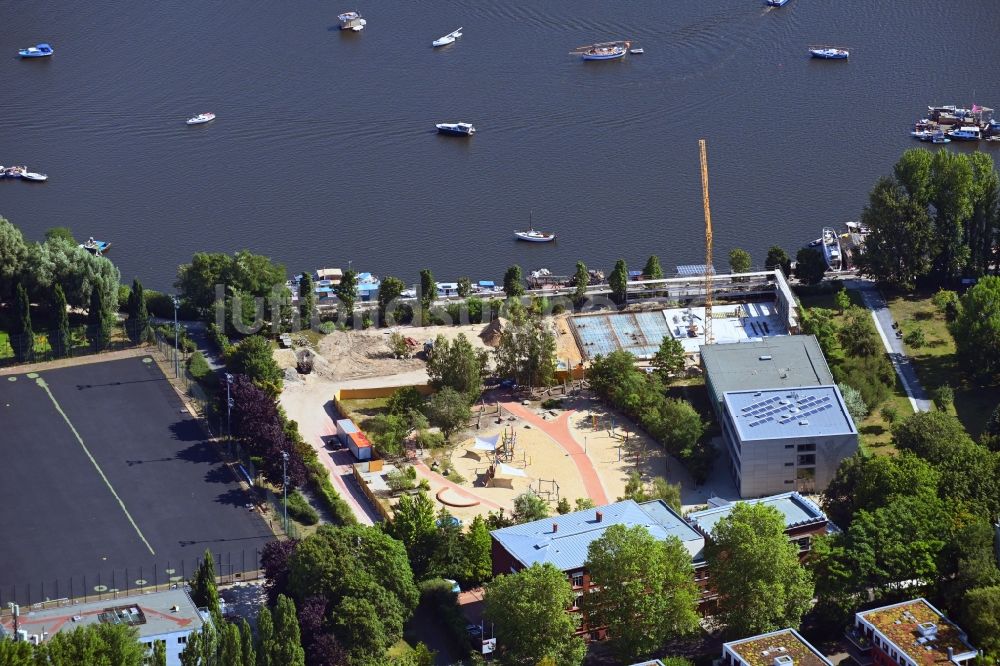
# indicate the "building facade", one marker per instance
pixel 911 633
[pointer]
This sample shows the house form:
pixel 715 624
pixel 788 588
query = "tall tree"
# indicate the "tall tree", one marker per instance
pixel 913 174
pixel 287 645
pixel 581 280
pixel 902 241
pixel 478 551
pixel 669 358
pixel 347 294
pixel 247 648
pixel 428 288
pixel 449 410
pixel 22 335
pixel 413 524
pixel 977 331
pixel 810 266
pixel 63 341
pixel 618 281
pixel 254 357
pixel 230 645
pixel 513 282
pixel 99 322
pixel 13 252
pixel 528 613
pixel 204 592
pixel 857 334
pixel 646 592
pixel 464 287
pixel 863 482
pixel 778 258
pixel 739 260
pixel 981 610
pixel 652 270
pixel 389 290
pixel 526 352
pixel 983 225
pixel 756 571
pixel 265 637
pixel 138 315
pixel 951 198
pixel 458 365
pixel 307 299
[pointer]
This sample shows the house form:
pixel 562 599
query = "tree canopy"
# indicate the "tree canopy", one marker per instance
pixel 976 331
pixel 528 613
pixel 457 365
pixel 756 571
pixel 646 590
pixel 242 272
pixel 526 352
pixel 513 285
pixel 810 265
pixel 618 281
pixel 652 270
pixel 254 357
pixel 449 410
pixel 778 258
pixel 739 260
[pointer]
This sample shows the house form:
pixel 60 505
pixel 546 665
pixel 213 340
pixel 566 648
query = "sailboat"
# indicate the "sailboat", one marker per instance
pixel 448 39
pixel 532 235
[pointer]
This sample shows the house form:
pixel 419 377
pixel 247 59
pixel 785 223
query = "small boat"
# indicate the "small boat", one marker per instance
pixel 447 39
pixel 95 246
pixel 829 53
pixel 939 137
pixel 533 236
pixel 993 138
pixel 352 21
pixel 201 119
pixel 456 129
pixel 15 171
pixel 38 51
pixel 37 177
pixel 967 133
pixel 636 51
pixel 776 3
pixel 831 249
pixel 603 51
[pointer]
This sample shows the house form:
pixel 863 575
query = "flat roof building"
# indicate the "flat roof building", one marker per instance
pixel 911 633
pixel 784 647
pixel 784 421
pixel 169 616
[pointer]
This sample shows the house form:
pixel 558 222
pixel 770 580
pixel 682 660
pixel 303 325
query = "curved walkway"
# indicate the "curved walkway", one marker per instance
pixel 426 471
pixel 558 430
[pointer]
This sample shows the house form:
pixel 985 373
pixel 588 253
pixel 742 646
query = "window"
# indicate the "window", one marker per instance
pixel 807 459
pixel 789 464
pixel 789 481
pixel 789 446
pixel 578 580
pixel 182 640
pixel 804 544
pixel 806 447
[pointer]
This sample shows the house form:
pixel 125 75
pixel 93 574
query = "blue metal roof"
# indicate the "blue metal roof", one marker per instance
pixel 487 283
pixel 796 509
pixel 692 270
pixel 566 546
pixel 789 412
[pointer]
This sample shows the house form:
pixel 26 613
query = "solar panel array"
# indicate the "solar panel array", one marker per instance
pixel 766 410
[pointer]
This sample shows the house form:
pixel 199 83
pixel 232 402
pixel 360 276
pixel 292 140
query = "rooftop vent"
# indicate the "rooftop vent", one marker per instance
pixel 804 422
pixel 927 629
pixel 599 516
pixel 783 660
pixel 555 527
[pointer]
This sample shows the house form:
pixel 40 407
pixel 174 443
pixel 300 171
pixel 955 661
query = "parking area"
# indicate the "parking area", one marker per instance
pixel 110 484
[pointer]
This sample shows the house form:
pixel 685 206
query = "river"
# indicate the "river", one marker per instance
pixel 324 151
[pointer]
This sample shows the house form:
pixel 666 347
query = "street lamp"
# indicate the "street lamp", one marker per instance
pixel 229 406
pixel 284 486
pixel 177 371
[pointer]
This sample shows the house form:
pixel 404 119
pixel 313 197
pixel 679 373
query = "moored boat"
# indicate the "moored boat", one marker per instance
pixel 456 129
pixel 352 21
pixel 776 3
pixel 447 39
pixel 603 50
pixel 534 236
pixel 637 51
pixel 96 246
pixel 37 177
pixel 15 171
pixel 831 249
pixel 829 53
pixel 38 51
pixel 939 137
pixel 201 119
pixel 966 133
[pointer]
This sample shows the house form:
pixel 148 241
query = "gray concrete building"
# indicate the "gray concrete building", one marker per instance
pixel 783 420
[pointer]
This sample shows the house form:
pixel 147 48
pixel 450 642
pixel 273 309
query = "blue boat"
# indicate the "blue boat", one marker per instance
pixel 95 246
pixel 39 51
pixel 829 53
pixel 776 3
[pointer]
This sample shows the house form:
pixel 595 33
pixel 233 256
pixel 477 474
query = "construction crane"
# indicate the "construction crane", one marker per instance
pixel 709 339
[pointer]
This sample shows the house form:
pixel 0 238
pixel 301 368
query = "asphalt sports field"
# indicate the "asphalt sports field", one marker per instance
pixel 106 482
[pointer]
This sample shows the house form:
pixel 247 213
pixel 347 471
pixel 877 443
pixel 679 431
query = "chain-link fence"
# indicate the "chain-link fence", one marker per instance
pixel 49 345
pixel 113 582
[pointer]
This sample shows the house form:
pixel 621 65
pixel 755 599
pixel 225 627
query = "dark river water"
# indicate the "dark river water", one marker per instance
pixel 324 151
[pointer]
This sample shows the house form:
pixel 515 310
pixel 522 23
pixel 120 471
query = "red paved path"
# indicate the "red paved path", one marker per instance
pixel 558 430
pixel 426 471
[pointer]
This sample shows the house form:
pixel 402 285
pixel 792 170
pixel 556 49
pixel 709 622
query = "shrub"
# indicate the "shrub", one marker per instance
pixel 300 510
pixel 889 414
pixel 552 403
pixel 428 439
pixel 399 480
pixel 944 396
pixel 124 291
pixel 327 327
pixel 220 339
pixel 200 370
pixel 159 304
pixel 915 338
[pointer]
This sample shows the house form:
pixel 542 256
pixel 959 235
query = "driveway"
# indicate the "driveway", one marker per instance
pixel 875 302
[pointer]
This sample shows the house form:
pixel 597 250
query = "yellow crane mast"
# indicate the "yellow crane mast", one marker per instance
pixel 709 339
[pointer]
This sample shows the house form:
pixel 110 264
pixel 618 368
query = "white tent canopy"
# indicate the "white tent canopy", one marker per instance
pixel 507 470
pixel 487 443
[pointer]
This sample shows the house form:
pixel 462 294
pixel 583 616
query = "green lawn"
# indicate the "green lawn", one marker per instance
pixel 935 361
pixel 361 411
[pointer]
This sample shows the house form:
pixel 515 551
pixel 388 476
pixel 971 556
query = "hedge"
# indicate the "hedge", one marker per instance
pixel 299 509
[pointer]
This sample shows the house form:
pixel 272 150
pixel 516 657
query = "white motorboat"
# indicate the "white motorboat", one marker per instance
pixel 638 51
pixel 967 133
pixel 831 249
pixel 456 129
pixel 352 21
pixel 829 53
pixel 37 177
pixel 447 39
pixel 201 119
